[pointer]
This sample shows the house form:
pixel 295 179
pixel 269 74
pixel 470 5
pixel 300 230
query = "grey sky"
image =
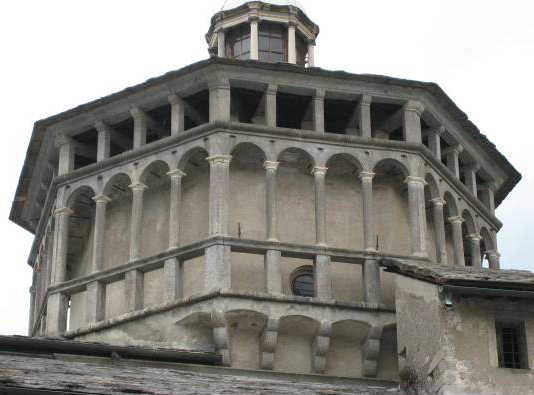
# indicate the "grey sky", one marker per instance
pixel 61 53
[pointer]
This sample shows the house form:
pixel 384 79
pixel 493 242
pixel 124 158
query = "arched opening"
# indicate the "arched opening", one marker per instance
pixel 80 249
pixel 247 214
pixel 194 224
pixel 431 193
pixel 344 357
pixel 294 351
pixel 117 238
pixel 155 237
pixel 391 210
pixel 81 229
pixel 245 329
pixel 486 245
pixel 450 211
pixel 468 229
pixel 296 197
pixel 118 214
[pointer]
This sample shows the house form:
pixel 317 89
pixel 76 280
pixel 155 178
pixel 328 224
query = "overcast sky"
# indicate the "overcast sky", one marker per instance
pixel 58 54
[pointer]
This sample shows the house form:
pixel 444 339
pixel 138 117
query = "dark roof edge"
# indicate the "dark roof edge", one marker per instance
pixel 34 345
pixel 432 88
pixel 427 274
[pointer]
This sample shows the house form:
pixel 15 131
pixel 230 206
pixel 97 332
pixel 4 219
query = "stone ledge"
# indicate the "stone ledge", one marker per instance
pixel 148 311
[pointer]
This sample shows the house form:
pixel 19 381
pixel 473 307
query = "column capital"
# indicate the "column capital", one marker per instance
pixel 272 89
pixel 177 173
pixel 270 165
pixel 219 84
pixel 489 185
pixel 101 199
pixel 100 126
pixel 253 18
pixel 219 160
pixel 455 149
pixel 61 140
pixel 415 180
pixel 437 131
pixel 455 220
pixel 138 186
pixel 474 167
pixel 415 106
pixel 366 100
pixel 174 99
pixel 319 94
pixel 366 175
pixel 136 112
pixel 63 211
pixel 319 171
pixel 474 237
pixel 438 202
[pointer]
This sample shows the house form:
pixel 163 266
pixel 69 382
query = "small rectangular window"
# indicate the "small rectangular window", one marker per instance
pixel 511 343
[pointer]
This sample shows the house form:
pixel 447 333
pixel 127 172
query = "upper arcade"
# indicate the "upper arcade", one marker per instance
pixel 274 31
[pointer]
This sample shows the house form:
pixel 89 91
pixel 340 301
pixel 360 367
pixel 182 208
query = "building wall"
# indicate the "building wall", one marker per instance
pixel 455 350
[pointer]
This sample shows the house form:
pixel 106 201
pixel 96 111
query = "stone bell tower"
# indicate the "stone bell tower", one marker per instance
pixel 243 204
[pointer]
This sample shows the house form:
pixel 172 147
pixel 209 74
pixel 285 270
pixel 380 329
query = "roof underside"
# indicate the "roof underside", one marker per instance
pixel 440 96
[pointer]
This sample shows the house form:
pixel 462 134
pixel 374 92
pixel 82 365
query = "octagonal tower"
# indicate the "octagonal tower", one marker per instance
pixel 245 206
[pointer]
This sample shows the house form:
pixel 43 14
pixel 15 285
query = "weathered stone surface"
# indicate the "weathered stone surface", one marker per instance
pixel 74 375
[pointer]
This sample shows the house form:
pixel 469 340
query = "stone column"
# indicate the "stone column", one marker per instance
pixel 133 290
pixel 56 314
pixel 31 317
pixel 95 302
pixel 439 230
pixel 269 340
pixel 136 221
pixel 323 282
pixel 416 201
pixel 434 141
pixel 220 101
pixel 140 127
pixel 457 240
pixel 217 270
pixel 368 216
pixel 66 154
pixel 318 111
pixel 271 169
pixel 452 155
pixel 218 194
pixel 175 202
pixel 487 196
pixel 471 178
pixel 364 115
pixel 270 105
pixel 319 174
pixel 372 289
pixel 254 38
pixel 104 141
pixel 412 113
pixel 177 114
pixel 61 245
pixel 321 346
pixel 273 275
pixel 494 259
pixel 311 53
pixel 474 249
pixel 221 44
pixel 292 43
pixel 99 232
